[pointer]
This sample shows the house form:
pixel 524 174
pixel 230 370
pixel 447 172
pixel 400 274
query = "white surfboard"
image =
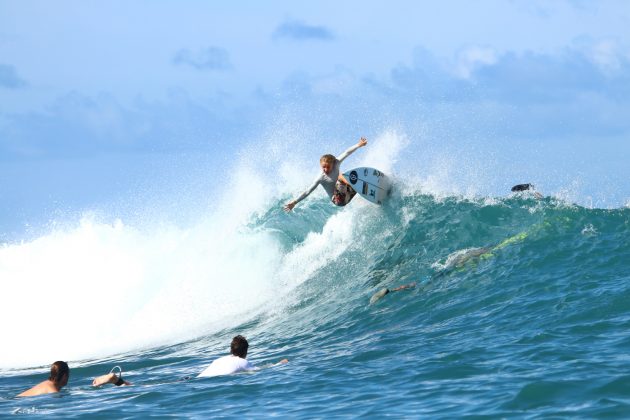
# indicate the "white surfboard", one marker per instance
pixel 372 184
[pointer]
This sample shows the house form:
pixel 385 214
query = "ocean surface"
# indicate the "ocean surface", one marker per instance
pixel 521 309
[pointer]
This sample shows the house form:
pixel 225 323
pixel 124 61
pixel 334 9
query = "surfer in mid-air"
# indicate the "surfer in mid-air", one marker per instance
pixel 339 191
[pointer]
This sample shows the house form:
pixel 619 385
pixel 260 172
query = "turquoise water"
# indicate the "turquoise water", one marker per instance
pixel 535 325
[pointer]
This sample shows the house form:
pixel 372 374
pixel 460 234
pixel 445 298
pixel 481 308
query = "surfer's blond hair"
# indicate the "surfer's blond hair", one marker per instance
pixel 327 158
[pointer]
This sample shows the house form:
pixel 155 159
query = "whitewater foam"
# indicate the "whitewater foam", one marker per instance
pixel 103 288
pixel 100 288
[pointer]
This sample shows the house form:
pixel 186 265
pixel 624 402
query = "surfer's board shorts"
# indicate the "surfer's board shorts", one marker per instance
pixel 343 194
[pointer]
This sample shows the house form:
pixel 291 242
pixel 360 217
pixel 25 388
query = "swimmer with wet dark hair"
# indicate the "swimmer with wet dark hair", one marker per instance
pixel 527 187
pixel 59 375
pixel 522 187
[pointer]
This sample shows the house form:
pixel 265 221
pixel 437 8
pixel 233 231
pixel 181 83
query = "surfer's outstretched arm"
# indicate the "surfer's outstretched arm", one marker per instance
pixel 378 295
pixel 362 142
pixel 406 286
pixel 270 365
pixel 111 378
pixel 289 206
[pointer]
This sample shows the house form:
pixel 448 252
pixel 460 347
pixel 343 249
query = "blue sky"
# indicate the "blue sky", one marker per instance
pixel 85 79
pixel 115 70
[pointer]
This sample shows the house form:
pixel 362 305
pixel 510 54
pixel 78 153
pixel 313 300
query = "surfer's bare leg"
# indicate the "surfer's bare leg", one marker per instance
pixel 344 193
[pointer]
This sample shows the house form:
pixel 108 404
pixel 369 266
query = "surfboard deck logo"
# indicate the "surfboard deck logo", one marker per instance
pixel 374 184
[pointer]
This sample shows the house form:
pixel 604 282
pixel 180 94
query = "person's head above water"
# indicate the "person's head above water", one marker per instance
pixel 527 187
pixel 239 346
pixel 327 162
pixel 522 187
pixel 59 373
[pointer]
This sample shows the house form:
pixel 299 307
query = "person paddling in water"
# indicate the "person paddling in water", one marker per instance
pixel 337 188
pixel 59 375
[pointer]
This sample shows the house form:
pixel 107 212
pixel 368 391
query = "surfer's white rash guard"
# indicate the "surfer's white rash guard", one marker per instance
pixel 328 181
pixel 226 365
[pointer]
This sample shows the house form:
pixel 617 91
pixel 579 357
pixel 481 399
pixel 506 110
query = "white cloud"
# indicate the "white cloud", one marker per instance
pixel 212 58
pixel 9 77
pixel 340 82
pixel 606 55
pixel 298 30
pixel 473 58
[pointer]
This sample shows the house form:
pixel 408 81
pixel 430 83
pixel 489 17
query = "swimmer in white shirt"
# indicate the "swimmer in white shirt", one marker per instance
pixel 235 362
pixel 337 188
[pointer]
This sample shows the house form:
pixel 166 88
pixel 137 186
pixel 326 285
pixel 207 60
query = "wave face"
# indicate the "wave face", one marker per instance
pixel 521 306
